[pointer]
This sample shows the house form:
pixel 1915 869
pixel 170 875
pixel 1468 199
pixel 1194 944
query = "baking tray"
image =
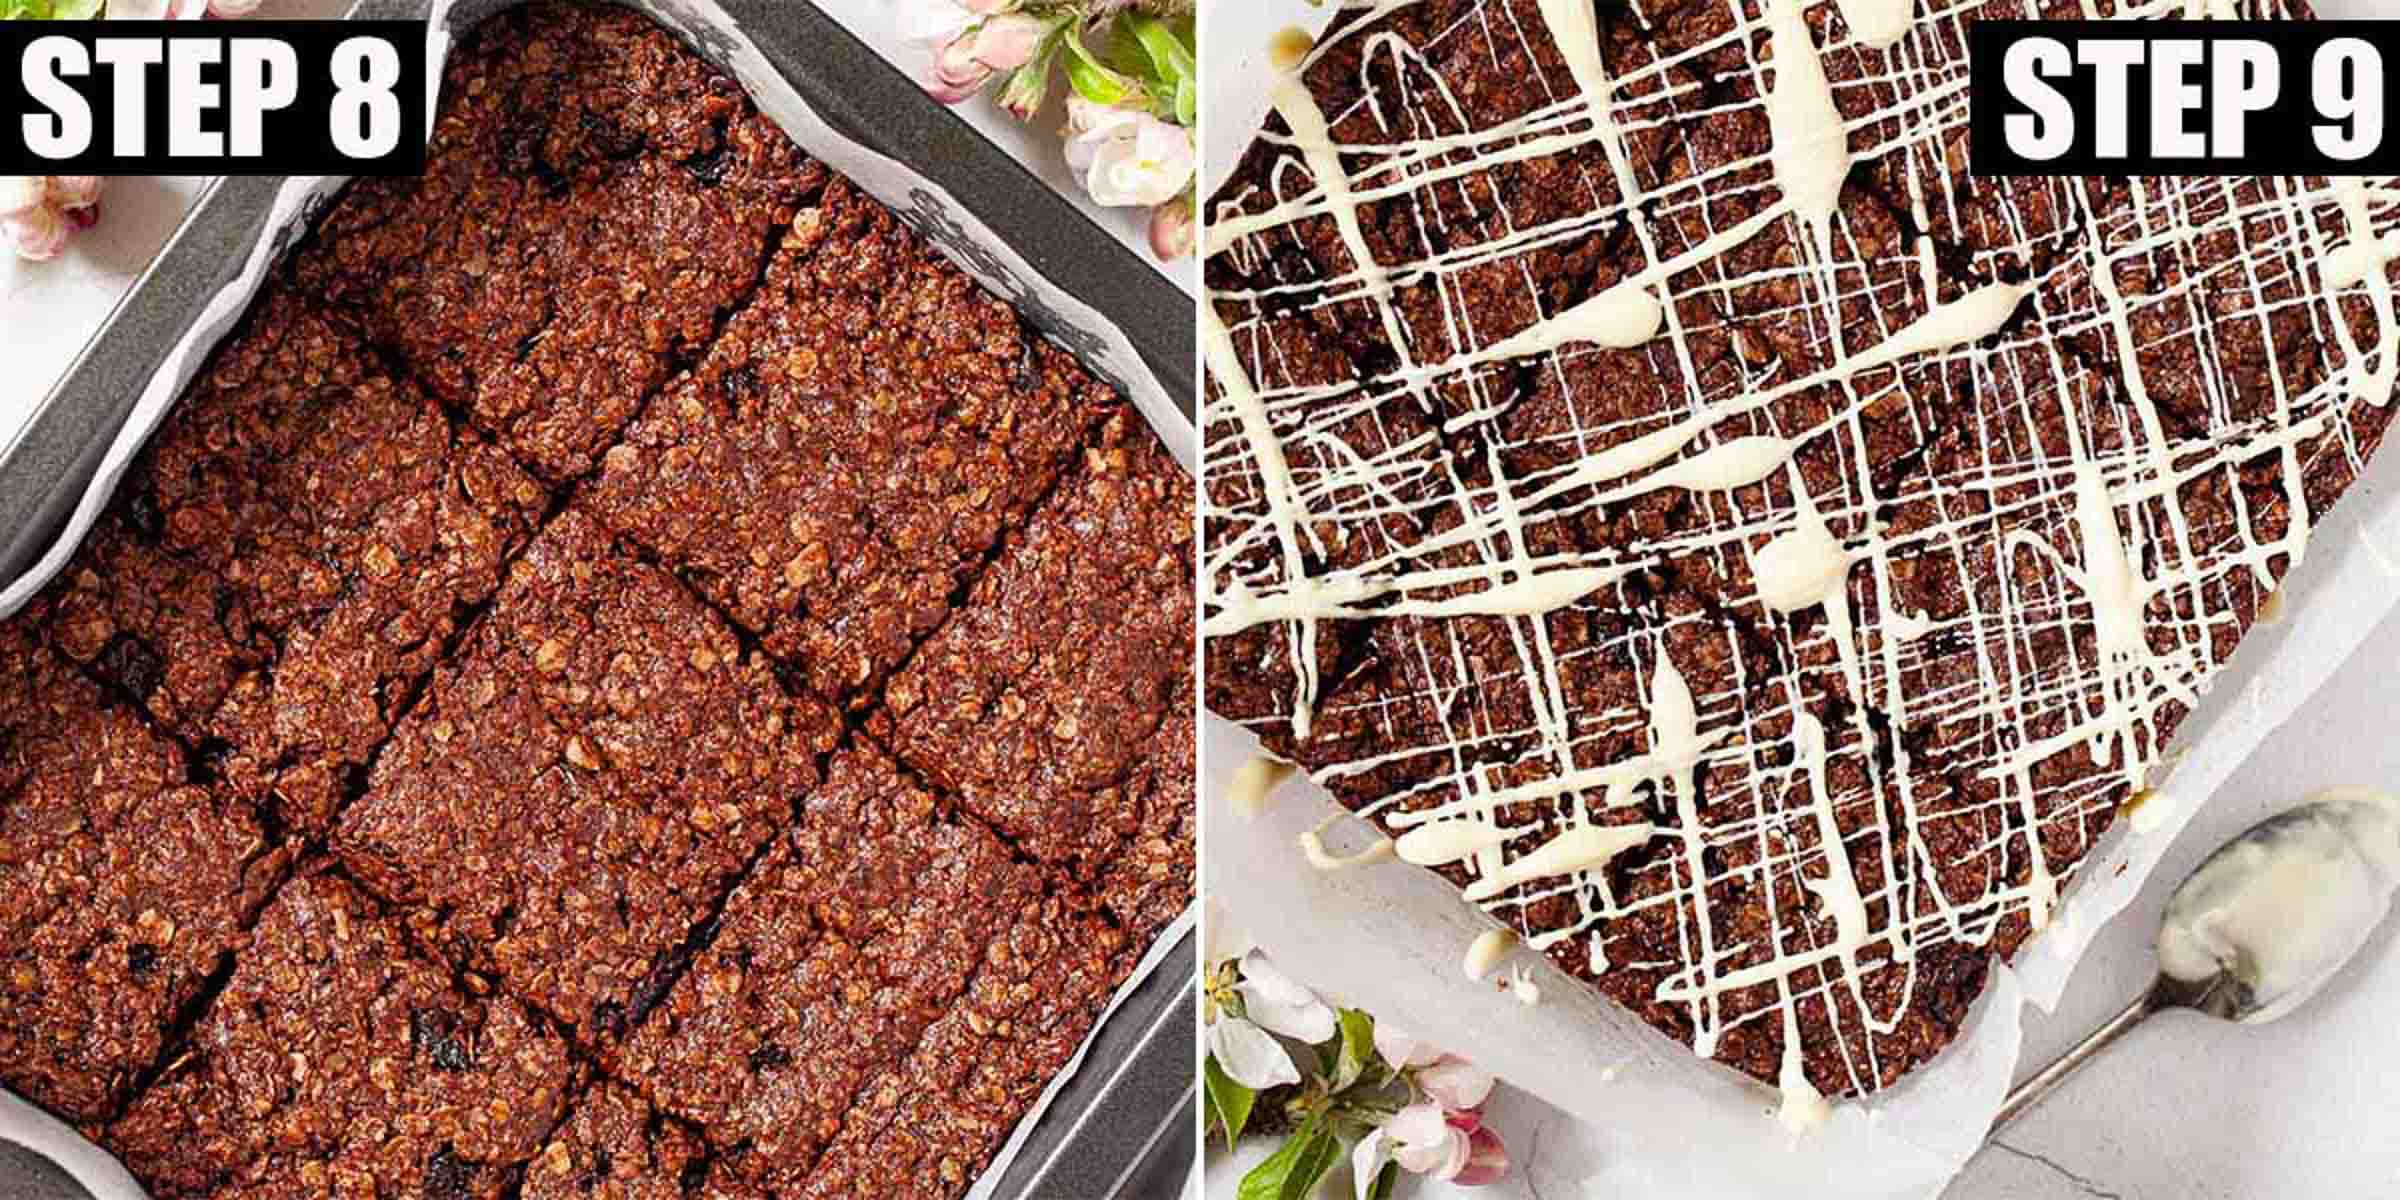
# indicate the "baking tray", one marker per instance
pixel 45 466
pixel 1118 1124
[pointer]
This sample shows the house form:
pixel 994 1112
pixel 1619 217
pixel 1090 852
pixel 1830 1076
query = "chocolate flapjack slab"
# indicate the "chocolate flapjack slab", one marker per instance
pixel 1761 582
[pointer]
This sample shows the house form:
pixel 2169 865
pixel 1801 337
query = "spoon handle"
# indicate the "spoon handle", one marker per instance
pixel 2041 1083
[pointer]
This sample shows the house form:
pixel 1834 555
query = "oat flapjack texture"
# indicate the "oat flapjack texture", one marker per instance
pixel 446 770
pixel 1651 477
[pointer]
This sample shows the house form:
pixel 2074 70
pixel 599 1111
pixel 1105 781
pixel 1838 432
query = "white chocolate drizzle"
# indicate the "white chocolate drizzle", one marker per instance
pixel 1583 848
pixel 2054 463
pixel 1811 153
pixel 1803 1107
pixel 1621 316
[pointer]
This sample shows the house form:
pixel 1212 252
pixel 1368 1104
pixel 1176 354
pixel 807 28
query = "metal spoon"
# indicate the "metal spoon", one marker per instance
pixel 2262 924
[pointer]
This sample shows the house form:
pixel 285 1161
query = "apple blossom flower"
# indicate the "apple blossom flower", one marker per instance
pixel 1173 230
pixel 1128 157
pixel 1089 125
pixel 1280 1004
pixel 1401 1049
pixel 1366 1162
pixel 962 65
pixel 1273 1003
pixel 934 21
pixel 70 193
pixel 37 212
pixel 1451 1146
pixel 157 10
pixel 1424 1141
pixel 1455 1084
pixel 38 233
pixel 1249 1055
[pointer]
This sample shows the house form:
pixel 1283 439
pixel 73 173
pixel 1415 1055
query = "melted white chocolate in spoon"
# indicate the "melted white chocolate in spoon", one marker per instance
pixel 2284 906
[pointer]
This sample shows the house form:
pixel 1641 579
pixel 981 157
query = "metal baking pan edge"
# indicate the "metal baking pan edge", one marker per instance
pixel 1116 1122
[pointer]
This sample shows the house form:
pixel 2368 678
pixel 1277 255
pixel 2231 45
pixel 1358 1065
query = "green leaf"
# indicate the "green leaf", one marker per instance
pixel 1266 1180
pixel 49 10
pixel 1323 1152
pixel 1292 1172
pixel 1095 80
pixel 1228 1102
pixel 1357 1040
pixel 1385 1180
pixel 1171 62
pixel 1187 102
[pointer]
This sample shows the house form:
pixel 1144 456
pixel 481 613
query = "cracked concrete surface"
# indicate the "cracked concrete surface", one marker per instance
pixel 2081 1185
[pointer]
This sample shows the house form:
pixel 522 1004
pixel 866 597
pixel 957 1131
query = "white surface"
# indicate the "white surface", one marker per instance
pixel 49 310
pixel 1035 143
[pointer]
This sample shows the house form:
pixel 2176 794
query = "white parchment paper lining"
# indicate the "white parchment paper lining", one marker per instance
pixel 976 247
pixel 1392 938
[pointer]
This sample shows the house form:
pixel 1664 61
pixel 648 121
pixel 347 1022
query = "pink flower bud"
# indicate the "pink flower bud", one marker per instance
pixel 963 64
pixel 74 191
pixel 1487 1159
pixel 1025 90
pixel 37 234
pixel 955 75
pixel 1007 42
pixel 1172 229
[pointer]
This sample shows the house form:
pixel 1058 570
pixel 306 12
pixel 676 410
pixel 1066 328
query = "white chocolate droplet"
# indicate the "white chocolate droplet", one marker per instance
pixel 1878 23
pixel 1486 951
pixel 1803 1107
pixel 1978 314
pixel 1522 986
pixel 1802 566
pixel 1312 845
pixel 1737 463
pixel 1618 317
pixel 1444 842
pixel 1253 780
